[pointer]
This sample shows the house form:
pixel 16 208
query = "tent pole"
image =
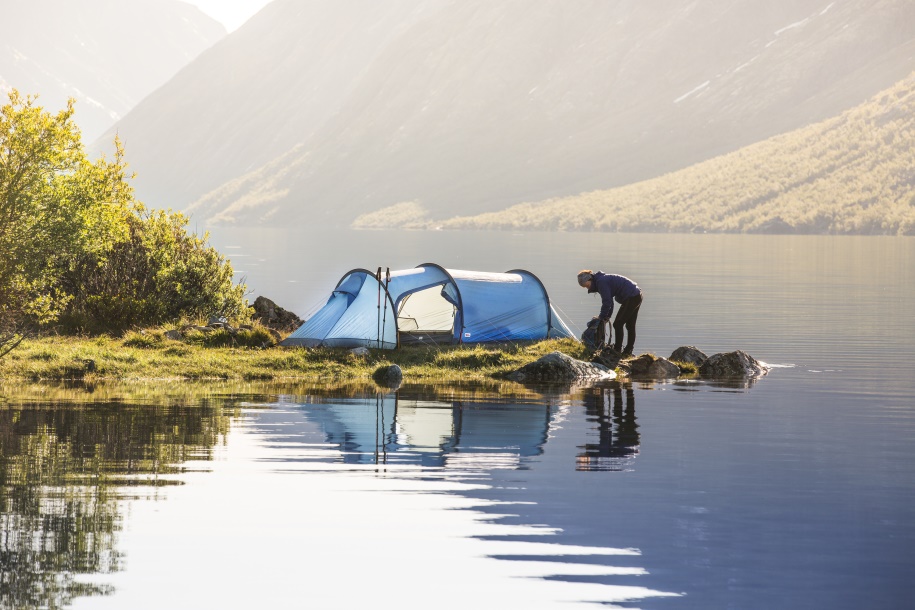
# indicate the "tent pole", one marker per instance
pixel 387 282
pixel 378 319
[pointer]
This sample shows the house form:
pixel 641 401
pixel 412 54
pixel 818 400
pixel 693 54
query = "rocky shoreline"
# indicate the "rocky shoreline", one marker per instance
pixel 557 367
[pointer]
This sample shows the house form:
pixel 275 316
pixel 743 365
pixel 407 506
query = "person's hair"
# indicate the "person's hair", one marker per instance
pixel 584 276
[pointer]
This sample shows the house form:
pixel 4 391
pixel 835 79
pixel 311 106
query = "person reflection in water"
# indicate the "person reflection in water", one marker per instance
pixel 618 433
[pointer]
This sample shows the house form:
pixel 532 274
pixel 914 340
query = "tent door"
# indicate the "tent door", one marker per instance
pixel 425 316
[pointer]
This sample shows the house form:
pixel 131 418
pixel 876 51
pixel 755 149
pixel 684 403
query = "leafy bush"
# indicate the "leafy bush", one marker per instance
pixel 159 273
pixel 78 250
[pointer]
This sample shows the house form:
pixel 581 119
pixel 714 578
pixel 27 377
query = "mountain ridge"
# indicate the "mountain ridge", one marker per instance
pixel 472 106
pixel 852 174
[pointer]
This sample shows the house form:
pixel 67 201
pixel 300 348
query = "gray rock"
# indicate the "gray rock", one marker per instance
pixel 273 316
pixel 732 364
pixel 359 351
pixel 174 335
pixel 690 354
pixel 608 357
pixel 557 367
pixel 651 367
pixel 390 376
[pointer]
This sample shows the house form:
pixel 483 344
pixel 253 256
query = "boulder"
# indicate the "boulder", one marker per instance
pixel 174 335
pixel 732 364
pixel 690 354
pixel 273 316
pixel 557 367
pixel 652 367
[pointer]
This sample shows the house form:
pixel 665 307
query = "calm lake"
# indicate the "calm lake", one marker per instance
pixel 793 491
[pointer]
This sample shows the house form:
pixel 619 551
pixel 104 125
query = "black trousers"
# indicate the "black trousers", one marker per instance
pixel 626 317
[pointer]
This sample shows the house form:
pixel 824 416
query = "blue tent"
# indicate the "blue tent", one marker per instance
pixel 431 304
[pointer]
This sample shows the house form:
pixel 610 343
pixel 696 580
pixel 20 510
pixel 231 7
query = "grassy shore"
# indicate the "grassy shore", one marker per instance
pixel 149 355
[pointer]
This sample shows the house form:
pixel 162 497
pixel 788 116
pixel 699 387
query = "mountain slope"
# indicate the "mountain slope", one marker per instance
pixel 854 174
pixel 108 55
pixel 259 92
pixel 464 107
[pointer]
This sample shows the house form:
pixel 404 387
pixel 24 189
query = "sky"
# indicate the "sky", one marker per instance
pixel 231 13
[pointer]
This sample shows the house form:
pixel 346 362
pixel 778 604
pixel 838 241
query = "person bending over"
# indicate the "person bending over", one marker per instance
pixel 626 293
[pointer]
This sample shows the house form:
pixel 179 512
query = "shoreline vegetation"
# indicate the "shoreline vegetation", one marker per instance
pixel 149 355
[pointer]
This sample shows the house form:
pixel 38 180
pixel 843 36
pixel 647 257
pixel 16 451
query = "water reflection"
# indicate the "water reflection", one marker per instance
pixel 74 461
pixel 63 470
pixel 409 429
pixel 617 431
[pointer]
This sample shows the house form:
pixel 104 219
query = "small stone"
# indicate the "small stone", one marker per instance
pixel 390 376
pixel 652 367
pixel 174 335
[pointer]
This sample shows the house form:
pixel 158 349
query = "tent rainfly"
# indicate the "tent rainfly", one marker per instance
pixel 431 304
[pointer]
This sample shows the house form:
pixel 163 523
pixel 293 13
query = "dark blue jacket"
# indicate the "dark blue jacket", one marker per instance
pixel 612 287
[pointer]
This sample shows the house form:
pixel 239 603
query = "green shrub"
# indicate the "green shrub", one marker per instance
pixel 159 273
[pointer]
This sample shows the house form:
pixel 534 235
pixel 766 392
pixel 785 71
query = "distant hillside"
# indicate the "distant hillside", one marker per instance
pixel 261 91
pixel 320 112
pixel 854 174
pixel 108 55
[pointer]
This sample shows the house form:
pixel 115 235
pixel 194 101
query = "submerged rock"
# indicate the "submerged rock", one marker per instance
pixel 557 367
pixel 732 364
pixel 653 367
pixel 690 354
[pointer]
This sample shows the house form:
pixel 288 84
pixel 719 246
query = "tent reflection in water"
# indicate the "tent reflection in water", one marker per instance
pixel 394 429
pixel 431 303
